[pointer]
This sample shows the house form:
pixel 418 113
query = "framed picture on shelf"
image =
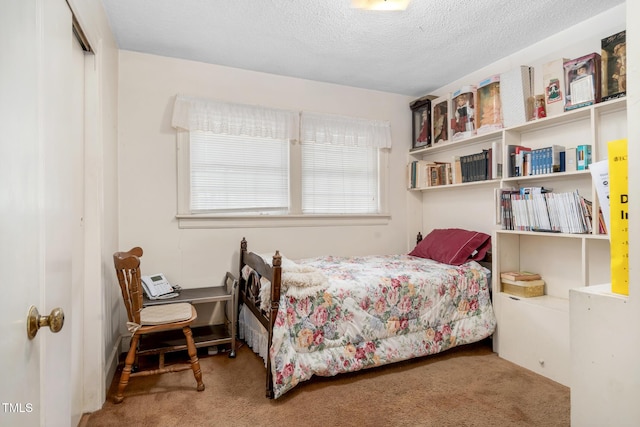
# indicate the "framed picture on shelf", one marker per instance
pixel 440 120
pixel 421 110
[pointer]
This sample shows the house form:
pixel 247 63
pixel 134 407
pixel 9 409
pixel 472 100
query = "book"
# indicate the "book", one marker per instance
pixel 477 166
pixel 519 275
pixel 505 210
pixel 445 173
pixel 496 161
pixel 602 225
pixel 518 159
pixel 516 95
pixel 600 177
pixel 619 231
pixel 458 170
pixel 614 66
pixel 417 174
pixel 583 81
pixel 553 84
pixel 522 288
pixel 583 157
pixel 553 158
pixel 570 164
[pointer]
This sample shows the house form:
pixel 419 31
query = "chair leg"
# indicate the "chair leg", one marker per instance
pixel 126 371
pixel 193 356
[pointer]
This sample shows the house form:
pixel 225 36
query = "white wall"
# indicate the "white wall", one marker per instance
pixel 147 162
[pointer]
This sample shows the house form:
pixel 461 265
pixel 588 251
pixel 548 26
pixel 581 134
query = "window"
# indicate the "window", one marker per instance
pixel 239 175
pixel 339 179
pixel 239 163
pixel 341 164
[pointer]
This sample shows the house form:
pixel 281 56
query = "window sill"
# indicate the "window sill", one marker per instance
pixel 262 221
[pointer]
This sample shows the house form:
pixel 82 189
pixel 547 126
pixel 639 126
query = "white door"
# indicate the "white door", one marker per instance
pixel 39 151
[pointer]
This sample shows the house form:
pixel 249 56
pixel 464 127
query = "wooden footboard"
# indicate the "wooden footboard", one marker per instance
pixel 273 273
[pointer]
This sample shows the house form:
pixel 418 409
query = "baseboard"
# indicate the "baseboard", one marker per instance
pixel 112 361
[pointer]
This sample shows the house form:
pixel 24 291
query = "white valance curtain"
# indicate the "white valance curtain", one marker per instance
pixel 226 118
pixel 342 130
pixel 234 119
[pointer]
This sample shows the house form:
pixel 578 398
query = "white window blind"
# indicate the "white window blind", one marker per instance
pixel 238 174
pixel 339 179
pixel 340 163
pixel 238 156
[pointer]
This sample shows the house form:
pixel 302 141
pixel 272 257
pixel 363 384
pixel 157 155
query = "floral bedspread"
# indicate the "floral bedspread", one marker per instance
pixel 378 310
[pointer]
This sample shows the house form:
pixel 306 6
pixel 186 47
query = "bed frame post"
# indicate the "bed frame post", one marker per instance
pixel 243 251
pixel 273 312
pixel 241 282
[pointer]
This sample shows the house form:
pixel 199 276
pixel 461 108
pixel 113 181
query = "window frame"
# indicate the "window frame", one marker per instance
pixel 294 218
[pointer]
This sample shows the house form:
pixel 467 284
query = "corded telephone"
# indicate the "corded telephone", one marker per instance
pixel 158 287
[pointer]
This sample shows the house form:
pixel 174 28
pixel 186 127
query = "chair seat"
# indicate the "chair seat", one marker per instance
pixel 166 313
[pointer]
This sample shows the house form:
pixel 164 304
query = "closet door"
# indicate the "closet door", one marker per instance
pixel 41 218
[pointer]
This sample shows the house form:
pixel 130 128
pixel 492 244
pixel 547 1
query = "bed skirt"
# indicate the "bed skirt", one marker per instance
pixel 253 333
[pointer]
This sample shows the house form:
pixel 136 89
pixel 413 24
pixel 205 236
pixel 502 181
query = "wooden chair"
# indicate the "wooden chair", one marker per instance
pixel 151 321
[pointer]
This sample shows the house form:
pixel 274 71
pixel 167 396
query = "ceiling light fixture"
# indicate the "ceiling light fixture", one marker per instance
pixel 380 4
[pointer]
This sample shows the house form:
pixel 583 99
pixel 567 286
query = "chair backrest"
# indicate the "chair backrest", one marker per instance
pixel 127 266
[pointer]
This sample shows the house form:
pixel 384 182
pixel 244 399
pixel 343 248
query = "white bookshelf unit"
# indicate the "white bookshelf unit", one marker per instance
pixel 446 151
pixel 534 332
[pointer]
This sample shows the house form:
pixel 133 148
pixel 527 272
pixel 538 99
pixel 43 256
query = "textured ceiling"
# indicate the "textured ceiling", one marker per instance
pixel 412 52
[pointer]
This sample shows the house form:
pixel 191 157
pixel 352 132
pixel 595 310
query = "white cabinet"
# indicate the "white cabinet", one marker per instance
pixel 604 367
pixel 535 334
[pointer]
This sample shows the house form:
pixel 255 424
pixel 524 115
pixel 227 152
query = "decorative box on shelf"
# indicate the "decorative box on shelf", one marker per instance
pixel 523 288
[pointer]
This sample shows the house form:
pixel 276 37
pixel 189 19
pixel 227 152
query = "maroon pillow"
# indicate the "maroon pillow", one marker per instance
pixel 453 246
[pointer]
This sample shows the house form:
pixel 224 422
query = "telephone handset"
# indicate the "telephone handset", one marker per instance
pixel 158 287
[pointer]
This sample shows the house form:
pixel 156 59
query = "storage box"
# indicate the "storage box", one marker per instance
pixel 582 79
pixel 463 112
pixel 614 66
pixel 553 82
pixel 523 288
pixel 490 105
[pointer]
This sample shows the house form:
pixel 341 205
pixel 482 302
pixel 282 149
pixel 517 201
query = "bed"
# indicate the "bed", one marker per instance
pixel 329 315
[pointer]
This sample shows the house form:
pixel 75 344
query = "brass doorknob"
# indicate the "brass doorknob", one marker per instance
pixel 55 321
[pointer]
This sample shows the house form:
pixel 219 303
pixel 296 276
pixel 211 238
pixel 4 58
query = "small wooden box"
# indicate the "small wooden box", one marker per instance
pixel 522 288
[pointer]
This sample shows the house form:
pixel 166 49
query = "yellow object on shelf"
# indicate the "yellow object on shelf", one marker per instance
pixel 619 215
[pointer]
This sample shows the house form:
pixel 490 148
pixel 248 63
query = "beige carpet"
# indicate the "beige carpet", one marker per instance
pixel 465 386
